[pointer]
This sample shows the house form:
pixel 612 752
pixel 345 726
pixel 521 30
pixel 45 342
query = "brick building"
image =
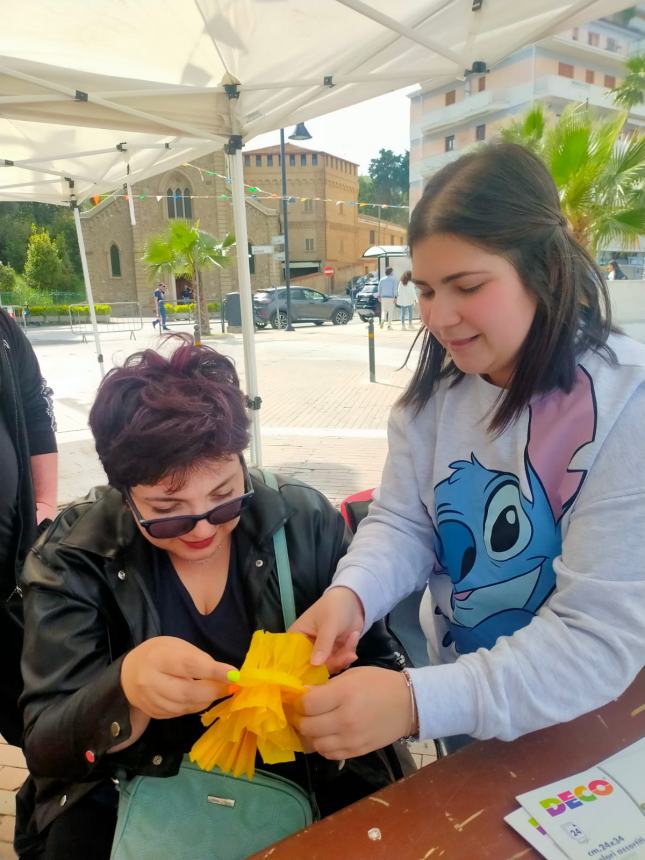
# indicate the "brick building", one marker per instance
pixel 328 231
pixel 321 233
pixel 114 247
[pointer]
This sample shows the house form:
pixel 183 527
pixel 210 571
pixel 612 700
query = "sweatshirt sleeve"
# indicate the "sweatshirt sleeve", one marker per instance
pixel 587 643
pixel 392 553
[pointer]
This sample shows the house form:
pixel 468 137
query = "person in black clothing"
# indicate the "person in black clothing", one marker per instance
pixel 139 598
pixel 28 463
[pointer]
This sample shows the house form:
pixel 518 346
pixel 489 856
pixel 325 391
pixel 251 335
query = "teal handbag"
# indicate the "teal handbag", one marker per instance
pixel 200 815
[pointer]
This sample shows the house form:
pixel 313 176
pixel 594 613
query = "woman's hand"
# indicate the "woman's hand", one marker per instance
pixel 167 677
pixel 334 622
pixel 361 710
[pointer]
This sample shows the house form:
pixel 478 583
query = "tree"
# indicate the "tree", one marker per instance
pixel 598 169
pixel 629 93
pixel 44 267
pixel 7 279
pixel 184 250
pixel 388 184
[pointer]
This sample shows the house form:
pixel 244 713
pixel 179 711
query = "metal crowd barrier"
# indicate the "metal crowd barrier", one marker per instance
pixel 123 317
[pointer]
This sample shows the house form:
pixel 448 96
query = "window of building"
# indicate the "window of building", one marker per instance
pixel 309 206
pixel 565 70
pixel 610 81
pixel 593 39
pixel 292 160
pixel 372 237
pixel 392 239
pixel 314 159
pixel 247 160
pixel 612 44
pixel 188 204
pixel 269 161
pixel 480 132
pixel 575 34
pixel 303 159
pixel 451 97
pixel 341 208
pixel 481 84
pixel 449 143
pixel 115 261
pixel 590 76
pixel 179 203
pixel 309 244
pixel 258 161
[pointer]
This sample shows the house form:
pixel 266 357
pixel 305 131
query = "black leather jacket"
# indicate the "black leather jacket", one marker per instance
pixel 87 602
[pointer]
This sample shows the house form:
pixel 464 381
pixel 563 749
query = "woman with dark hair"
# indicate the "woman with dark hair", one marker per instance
pixel 614 272
pixel 406 298
pixel 514 489
pixel 140 597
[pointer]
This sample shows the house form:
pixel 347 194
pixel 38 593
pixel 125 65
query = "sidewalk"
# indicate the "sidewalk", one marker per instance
pixel 322 422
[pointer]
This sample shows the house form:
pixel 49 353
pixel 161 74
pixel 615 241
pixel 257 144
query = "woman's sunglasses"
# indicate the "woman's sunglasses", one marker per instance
pixel 174 527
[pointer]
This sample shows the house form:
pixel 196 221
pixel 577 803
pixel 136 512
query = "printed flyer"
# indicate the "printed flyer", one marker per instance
pixel 589 815
pixel 535 835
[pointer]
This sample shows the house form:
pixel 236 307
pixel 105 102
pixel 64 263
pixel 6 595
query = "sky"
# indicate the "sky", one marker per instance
pixel 356 133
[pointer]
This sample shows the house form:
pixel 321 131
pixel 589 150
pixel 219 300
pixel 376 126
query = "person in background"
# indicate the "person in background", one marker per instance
pixel 28 466
pixel 614 272
pixel 160 307
pixel 140 596
pixel 386 295
pixel 186 294
pixel 514 488
pixel 406 298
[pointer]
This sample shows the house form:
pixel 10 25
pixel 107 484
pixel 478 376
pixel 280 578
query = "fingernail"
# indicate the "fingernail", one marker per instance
pixel 317 658
pixel 233 676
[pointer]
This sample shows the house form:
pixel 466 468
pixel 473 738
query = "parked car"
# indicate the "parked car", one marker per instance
pixel 307 305
pixel 367 300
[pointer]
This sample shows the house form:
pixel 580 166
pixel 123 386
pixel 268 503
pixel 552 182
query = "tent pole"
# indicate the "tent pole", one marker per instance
pixel 246 300
pixel 88 288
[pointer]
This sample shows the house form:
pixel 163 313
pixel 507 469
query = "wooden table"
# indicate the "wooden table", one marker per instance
pixel 455 807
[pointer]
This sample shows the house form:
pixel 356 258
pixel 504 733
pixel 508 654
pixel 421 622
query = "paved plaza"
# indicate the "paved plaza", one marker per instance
pixel 322 421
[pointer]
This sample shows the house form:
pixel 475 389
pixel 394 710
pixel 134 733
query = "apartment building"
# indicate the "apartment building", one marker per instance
pixel 326 227
pixel 580 65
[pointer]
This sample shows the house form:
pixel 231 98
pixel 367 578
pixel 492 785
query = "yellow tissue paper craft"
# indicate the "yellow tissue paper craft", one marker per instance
pixel 259 714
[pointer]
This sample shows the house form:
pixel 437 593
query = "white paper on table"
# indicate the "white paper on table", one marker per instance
pixel 534 834
pixel 587 824
pixel 628 769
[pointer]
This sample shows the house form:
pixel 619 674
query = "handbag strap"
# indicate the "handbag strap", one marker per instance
pixel 282 562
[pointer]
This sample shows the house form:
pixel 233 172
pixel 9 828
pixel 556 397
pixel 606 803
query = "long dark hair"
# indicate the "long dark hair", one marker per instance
pixel 502 198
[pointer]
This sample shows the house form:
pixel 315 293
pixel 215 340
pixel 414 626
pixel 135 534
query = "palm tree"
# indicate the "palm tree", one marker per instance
pixel 184 250
pixel 598 168
pixel 629 93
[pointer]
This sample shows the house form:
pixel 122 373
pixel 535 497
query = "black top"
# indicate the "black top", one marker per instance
pixel 27 413
pixel 8 495
pixel 225 633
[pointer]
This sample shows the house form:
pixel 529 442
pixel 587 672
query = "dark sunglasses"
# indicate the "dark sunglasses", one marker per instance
pixel 173 527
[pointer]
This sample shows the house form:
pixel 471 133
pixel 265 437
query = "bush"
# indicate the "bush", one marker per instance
pixel 63 310
pixel 7 279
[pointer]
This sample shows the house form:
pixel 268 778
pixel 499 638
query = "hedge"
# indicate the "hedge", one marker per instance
pixel 184 309
pixel 63 310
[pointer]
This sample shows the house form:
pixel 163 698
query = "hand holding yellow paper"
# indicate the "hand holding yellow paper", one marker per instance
pixel 259 715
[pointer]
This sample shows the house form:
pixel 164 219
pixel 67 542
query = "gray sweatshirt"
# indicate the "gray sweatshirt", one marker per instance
pixel 531 546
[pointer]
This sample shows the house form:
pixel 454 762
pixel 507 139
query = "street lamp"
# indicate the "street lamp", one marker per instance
pixel 299 133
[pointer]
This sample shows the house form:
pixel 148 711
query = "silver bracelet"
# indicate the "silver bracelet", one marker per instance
pixel 413 738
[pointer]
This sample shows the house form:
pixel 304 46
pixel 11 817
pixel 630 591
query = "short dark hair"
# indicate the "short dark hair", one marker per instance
pixel 160 416
pixel 406 276
pixel 389 270
pixel 502 198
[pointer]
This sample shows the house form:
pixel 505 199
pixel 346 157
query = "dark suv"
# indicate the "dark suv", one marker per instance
pixel 367 301
pixel 307 305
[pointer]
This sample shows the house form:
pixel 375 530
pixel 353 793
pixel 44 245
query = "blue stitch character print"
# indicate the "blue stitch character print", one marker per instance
pixel 496 544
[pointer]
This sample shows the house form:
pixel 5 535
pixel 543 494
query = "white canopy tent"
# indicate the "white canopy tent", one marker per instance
pixel 222 71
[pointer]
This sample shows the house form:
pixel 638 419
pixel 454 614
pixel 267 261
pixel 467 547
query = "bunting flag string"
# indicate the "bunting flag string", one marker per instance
pixel 253 192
